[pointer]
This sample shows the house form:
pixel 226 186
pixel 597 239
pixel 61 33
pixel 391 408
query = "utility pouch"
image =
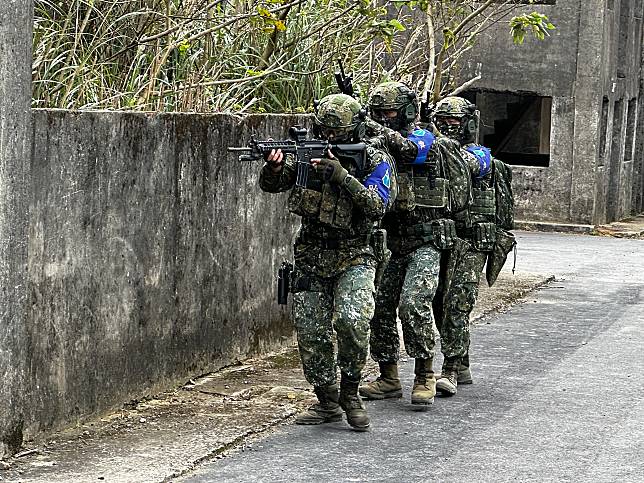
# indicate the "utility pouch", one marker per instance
pixel 443 233
pixel 343 211
pixel 381 252
pixel 484 236
pixel 304 202
pixel 484 203
pixel 328 202
pixel 405 200
pixel 430 193
pixel 505 243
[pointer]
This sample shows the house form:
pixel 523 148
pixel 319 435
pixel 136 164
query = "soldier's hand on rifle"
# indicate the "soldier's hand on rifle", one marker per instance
pixel 275 160
pixel 331 168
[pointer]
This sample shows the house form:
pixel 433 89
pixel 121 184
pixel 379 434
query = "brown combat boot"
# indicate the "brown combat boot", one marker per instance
pixel 448 381
pixel 350 401
pixel 464 372
pixel 424 389
pixel 327 410
pixel 386 386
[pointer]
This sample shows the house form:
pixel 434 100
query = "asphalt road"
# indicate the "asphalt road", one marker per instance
pixel 558 393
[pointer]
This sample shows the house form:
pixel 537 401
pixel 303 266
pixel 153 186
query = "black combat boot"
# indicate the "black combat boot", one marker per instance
pixel 386 386
pixel 350 401
pixel 424 389
pixel 327 410
pixel 448 381
pixel 464 372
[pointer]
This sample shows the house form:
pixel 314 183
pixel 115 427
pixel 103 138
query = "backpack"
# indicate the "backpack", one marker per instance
pixel 504 198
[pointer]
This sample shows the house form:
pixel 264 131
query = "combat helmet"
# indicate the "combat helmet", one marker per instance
pixel 340 115
pixel 463 110
pixel 393 96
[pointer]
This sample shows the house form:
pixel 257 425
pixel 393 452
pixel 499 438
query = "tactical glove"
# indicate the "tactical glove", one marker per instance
pixel 332 170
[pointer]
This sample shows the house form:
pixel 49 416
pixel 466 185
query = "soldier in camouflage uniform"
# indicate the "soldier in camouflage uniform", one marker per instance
pixel 433 184
pixel 457 119
pixel 333 281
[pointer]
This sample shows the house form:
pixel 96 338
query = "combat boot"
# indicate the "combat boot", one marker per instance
pixel 424 384
pixel 448 381
pixel 464 372
pixel 386 386
pixel 327 410
pixel 353 406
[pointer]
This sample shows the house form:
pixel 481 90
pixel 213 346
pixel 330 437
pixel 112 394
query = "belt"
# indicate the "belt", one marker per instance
pixel 420 229
pixel 337 243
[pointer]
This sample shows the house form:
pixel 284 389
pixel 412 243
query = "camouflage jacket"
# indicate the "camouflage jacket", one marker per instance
pixel 450 164
pixel 325 250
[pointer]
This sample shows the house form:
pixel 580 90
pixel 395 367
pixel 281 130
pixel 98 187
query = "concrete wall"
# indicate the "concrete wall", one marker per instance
pixel 152 256
pixel 15 148
pixel 595 54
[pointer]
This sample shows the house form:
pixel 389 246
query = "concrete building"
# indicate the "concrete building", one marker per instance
pixel 568 112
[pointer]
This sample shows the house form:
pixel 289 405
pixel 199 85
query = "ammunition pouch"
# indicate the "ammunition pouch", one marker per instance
pixel 444 233
pixel 505 243
pixel 331 206
pixel 430 193
pixel 304 202
pixel 484 236
pixel 441 232
pixel 420 191
pixel 483 204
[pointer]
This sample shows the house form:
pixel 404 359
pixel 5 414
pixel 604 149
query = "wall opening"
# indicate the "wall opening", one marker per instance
pixel 623 59
pixel 516 127
pixel 614 174
pixel 602 132
pixel 631 124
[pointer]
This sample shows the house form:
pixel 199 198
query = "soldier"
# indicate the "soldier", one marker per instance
pixel 335 265
pixel 433 185
pixel 491 214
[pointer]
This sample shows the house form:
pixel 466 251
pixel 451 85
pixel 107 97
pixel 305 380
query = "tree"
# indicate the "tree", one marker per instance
pixel 247 55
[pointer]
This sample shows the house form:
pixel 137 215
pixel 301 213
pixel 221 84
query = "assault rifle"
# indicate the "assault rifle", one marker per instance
pixel 304 151
pixel 345 82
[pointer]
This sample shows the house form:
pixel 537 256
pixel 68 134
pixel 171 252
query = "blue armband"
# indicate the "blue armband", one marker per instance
pixel 423 140
pixel 484 156
pixel 380 181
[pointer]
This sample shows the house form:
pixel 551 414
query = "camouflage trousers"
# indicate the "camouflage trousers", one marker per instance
pixel 345 304
pixel 408 285
pixel 454 325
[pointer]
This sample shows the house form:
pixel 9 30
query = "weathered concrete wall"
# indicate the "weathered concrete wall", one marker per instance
pixel 15 148
pixel 590 65
pixel 152 255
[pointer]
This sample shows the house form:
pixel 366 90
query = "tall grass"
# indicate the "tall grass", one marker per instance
pixel 230 55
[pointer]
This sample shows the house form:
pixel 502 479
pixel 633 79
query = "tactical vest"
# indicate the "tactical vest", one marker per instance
pixel 327 203
pixel 483 207
pixel 420 182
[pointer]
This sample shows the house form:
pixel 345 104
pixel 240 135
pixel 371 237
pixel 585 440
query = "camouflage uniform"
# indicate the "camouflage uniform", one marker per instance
pixel 453 325
pixel 462 290
pixel 333 281
pixel 412 276
pixel 432 182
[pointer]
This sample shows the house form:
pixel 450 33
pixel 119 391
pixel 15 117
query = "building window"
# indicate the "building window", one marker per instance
pixel 516 127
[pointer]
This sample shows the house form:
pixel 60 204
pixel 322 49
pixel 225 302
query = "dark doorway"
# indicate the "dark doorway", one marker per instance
pixel 516 127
